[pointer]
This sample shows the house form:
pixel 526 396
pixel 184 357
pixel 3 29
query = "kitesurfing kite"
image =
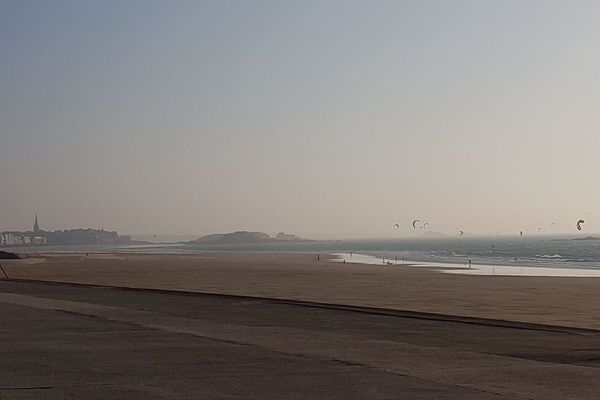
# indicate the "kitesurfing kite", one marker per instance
pixel 397 226
pixel 520 233
pixel 415 223
pixel 579 224
pixel 460 233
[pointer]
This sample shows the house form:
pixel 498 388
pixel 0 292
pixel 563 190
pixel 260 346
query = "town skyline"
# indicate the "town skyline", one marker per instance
pixel 65 236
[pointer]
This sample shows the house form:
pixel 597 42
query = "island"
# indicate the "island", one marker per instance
pixel 247 237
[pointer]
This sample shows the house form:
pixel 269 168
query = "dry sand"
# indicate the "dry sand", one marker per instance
pixel 550 300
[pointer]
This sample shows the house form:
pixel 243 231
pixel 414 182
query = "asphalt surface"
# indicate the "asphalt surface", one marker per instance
pixel 79 342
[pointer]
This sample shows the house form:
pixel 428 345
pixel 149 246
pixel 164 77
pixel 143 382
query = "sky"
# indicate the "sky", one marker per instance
pixel 328 119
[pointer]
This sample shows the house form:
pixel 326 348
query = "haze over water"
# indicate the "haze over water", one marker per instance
pixel 562 252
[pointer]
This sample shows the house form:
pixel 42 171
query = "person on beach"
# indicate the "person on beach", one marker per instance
pixel 469 264
pixel 318 257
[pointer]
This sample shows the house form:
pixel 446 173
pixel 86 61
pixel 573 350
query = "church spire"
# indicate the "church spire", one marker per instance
pixel 36 226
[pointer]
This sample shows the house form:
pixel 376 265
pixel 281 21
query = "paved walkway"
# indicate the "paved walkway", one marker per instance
pixel 66 341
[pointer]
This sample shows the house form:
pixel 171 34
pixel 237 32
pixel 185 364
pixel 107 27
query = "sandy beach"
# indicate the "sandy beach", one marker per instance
pixel 547 300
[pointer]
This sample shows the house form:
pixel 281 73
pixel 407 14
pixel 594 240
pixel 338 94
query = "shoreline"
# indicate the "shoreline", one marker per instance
pixel 359 258
pixel 445 255
pixel 475 269
pixel 564 301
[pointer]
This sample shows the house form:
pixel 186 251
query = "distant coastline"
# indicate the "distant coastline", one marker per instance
pixel 247 237
pixel 66 237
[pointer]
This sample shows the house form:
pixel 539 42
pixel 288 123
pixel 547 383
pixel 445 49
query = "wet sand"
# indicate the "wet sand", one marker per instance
pixel 547 300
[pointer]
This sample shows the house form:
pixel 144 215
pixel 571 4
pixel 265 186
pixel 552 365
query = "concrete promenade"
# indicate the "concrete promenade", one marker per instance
pixel 81 342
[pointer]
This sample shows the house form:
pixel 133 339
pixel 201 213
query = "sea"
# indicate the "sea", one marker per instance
pixel 564 255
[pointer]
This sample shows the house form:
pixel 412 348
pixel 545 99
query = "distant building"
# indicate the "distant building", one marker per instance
pixel 60 237
pixel 36 226
pixel 287 236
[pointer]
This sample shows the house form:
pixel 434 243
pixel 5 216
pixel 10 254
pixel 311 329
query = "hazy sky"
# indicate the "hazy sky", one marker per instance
pixel 322 118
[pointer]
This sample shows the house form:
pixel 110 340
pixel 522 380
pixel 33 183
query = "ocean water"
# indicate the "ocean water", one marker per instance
pixel 569 256
pixel 540 251
pixel 561 252
pixel 471 269
pixel 565 251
